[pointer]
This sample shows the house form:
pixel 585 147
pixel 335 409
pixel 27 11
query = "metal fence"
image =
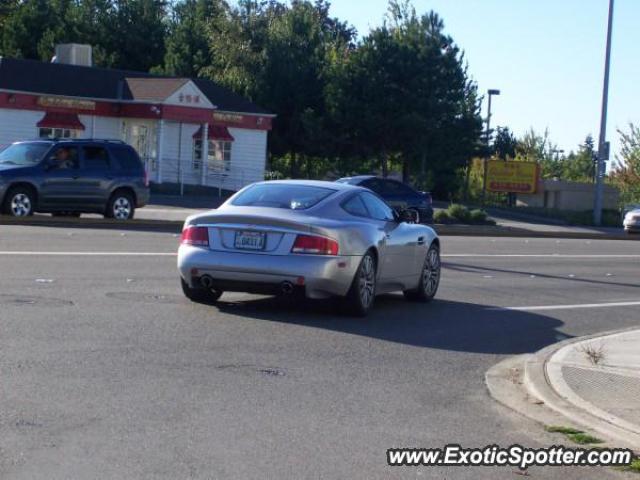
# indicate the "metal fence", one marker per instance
pixel 183 172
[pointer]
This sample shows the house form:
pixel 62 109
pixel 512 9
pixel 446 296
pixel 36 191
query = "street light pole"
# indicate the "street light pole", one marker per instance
pixel 601 168
pixel 490 92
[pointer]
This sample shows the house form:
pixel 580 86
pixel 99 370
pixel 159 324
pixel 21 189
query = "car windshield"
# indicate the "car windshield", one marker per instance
pixel 292 197
pixel 23 153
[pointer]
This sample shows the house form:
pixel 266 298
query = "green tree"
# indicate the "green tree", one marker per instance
pixel 34 27
pixel 135 36
pixel 533 147
pixel 626 170
pixel 579 166
pixel 187 43
pixel 404 96
pixel 505 144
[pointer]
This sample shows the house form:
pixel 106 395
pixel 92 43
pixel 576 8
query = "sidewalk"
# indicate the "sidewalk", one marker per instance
pixel 590 383
pixel 594 382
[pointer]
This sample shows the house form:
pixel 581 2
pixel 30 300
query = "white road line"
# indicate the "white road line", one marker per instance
pixel 449 255
pixel 91 254
pixel 568 307
pixel 538 255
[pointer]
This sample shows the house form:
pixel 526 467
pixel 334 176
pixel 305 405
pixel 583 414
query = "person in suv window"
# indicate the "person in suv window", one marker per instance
pixel 66 158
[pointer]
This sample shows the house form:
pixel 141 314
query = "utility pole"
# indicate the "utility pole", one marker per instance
pixel 490 92
pixel 602 141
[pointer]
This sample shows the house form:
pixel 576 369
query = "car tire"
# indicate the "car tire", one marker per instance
pixel 20 202
pixel 363 288
pixel 200 295
pixel 429 277
pixel 120 206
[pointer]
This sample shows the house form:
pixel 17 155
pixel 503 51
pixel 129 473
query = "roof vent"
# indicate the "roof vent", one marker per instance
pixel 74 54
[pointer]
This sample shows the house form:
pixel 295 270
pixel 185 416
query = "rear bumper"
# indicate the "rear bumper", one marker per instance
pixel 321 276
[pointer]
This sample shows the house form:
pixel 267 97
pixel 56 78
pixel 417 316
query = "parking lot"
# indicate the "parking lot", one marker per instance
pixel 108 372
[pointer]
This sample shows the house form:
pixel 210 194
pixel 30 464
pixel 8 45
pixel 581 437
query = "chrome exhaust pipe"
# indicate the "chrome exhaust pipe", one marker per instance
pixel 206 281
pixel 286 288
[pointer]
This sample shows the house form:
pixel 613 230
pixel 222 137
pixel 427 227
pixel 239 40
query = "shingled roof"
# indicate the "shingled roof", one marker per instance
pixel 31 76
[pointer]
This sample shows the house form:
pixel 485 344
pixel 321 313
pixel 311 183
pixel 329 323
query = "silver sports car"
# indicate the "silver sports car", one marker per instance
pixel 319 239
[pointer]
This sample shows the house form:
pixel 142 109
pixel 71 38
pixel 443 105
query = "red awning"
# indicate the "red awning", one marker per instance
pixel 61 120
pixel 216 132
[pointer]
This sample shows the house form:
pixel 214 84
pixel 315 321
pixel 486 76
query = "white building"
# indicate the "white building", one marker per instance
pixel 164 118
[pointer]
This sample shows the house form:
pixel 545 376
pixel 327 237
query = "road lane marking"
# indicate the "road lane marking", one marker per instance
pixel 447 255
pixel 539 255
pixel 538 308
pixel 92 254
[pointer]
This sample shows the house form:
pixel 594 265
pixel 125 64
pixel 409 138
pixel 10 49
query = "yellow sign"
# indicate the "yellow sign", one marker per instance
pixel 66 103
pixel 515 177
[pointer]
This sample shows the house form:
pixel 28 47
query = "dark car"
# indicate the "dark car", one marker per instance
pixel 70 177
pixel 396 194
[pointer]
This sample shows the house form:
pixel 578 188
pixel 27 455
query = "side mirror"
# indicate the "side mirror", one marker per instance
pixel 409 215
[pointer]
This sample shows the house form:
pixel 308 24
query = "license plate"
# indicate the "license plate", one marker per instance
pixel 250 240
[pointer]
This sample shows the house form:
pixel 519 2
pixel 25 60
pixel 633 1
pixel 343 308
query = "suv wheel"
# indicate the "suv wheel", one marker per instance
pixel 20 202
pixel 120 206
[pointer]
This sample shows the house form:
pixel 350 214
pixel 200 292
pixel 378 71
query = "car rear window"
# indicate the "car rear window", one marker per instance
pixel 291 197
pixel 127 157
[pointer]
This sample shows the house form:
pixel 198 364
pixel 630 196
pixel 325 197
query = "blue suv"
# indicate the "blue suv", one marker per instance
pixel 70 177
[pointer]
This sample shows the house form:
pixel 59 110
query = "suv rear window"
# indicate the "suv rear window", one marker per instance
pixel 96 158
pixel 291 197
pixel 127 157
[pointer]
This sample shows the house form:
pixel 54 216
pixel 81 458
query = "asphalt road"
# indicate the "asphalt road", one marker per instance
pixel 108 372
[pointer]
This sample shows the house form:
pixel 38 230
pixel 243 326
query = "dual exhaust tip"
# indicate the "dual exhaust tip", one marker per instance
pixel 286 287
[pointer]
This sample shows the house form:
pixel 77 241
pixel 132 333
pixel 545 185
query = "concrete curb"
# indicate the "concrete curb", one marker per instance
pixel 100 223
pixel 538 382
pixel 499 231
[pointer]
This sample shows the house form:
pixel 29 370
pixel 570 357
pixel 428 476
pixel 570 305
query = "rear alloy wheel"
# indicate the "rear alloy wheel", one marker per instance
pixel 121 206
pixel 19 202
pixel 429 278
pixel 363 289
pixel 200 295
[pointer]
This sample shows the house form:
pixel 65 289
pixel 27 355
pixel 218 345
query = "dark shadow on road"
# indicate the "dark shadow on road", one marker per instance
pixel 466 268
pixel 445 325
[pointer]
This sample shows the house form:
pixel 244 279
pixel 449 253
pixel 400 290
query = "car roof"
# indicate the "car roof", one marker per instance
pixel 73 140
pixel 356 179
pixel 314 183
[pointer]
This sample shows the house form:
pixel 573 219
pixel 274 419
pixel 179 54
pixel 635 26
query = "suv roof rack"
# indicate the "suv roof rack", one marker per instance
pixel 86 140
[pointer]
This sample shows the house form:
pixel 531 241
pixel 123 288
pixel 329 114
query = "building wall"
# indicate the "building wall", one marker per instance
pixel 101 127
pixel 248 157
pixel 174 146
pixel 571 196
pixel 18 125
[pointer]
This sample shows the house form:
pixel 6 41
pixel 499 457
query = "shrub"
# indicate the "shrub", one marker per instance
pixel 478 217
pixel 441 216
pixel 459 212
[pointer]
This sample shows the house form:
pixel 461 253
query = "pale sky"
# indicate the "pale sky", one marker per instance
pixel 546 57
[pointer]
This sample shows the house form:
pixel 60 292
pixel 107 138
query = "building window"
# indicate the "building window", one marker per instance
pixel 219 156
pixel 57 133
pixel 219 160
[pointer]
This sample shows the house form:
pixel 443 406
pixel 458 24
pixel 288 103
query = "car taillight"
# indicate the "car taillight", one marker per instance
pixel 315 245
pixel 197 236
